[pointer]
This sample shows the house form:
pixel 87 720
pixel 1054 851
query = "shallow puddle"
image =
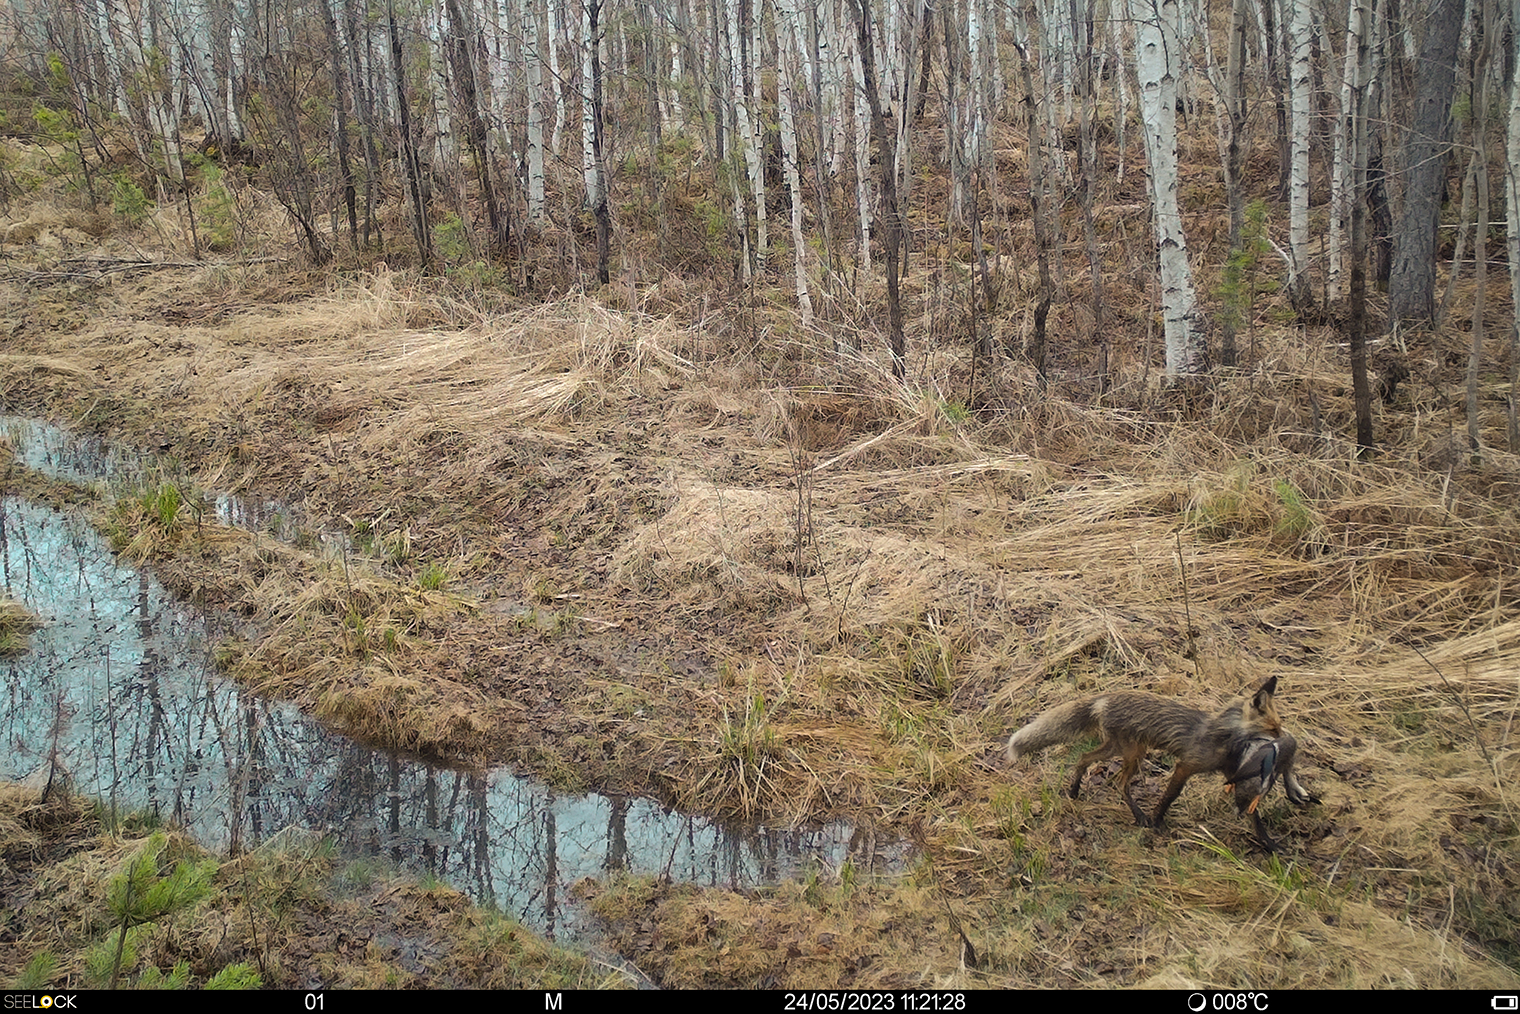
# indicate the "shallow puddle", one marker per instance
pixel 119 689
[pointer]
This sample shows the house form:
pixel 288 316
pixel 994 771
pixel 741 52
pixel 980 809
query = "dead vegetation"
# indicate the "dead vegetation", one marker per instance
pixel 632 545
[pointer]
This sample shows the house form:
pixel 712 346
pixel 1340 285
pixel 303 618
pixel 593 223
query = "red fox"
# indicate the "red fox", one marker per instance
pixel 1245 741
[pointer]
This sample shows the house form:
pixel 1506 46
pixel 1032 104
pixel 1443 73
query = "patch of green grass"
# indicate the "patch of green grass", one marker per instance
pixel 433 577
pixel 1228 510
pixel 359 875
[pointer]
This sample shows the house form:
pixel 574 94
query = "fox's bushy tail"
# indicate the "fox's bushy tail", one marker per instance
pixel 1058 725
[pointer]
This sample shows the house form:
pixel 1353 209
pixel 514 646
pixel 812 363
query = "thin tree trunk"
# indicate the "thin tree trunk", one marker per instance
pixel 462 55
pixel 891 213
pixel 1037 344
pixel 1512 232
pixel 592 125
pixel 1157 44
pixel 1480 88
pixel 1235 118
pixel 1299 291
pixel 412 164
pixel 786 23
pixel 340 103
pixel 1269 22
pixel 1361 391
pixel 1088 154
pixel 532 57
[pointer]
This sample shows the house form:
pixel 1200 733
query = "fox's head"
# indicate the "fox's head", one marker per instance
pixel 1260 709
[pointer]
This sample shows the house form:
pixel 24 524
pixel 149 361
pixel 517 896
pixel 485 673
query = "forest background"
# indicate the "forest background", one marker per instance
pixel 794 397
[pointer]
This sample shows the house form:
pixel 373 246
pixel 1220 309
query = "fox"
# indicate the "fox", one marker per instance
pixel 1245 741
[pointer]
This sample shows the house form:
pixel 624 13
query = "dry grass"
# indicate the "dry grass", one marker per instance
pixel 725 563
pixel 16 621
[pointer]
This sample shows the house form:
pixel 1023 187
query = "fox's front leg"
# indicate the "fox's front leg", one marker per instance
pixel 1180 774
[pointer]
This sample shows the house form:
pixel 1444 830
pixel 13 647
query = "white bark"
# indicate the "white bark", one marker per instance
pixel 677 103
pixel 445 150
pixel 528 12
pixel 1302 83
pixel 1121 99
pixel 590 169
pixel 1341 142
pixel 840 81
pixel 747 128
pixel 862 153
pixel 505 48
pixel 195 30
pixel 976 49
pixel 786 25
pixel 555 74
pixel 112 59
pixel 1157 45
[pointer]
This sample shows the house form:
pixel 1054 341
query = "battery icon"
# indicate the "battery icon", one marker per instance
pixel 1505 1003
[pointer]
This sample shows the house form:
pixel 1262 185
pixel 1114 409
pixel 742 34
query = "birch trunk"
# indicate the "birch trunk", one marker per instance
pixel 1156 48
pixel 862 156
pixel 528 12
pixel 891 219
pixel 786 24
pixel 556 75
pixel 445 152
pixel 1340 166
pixel 1302 82
pixel 591 134
pixel 747 125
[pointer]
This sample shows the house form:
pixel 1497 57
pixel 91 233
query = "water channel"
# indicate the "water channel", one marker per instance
pixel 119 689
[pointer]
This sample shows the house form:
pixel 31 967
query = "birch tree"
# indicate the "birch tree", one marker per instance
pixel 593 169
pixel 1484 25
pixel 528 18
pixel 786 36
pixel 1157 46
pixel 743 97
pixel 1302 89
pixel 1340 163
pixel 892 212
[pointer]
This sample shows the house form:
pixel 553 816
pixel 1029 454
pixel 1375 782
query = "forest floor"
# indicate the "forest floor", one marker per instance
pixel 645 553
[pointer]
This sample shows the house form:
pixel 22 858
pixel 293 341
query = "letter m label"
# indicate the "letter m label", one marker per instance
pixel 554 1001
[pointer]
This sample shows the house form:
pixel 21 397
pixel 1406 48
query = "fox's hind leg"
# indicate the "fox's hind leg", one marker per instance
pixel 1107 748
pixel 1134 753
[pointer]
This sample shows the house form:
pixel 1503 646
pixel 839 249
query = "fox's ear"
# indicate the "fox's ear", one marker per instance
pixel 1264 693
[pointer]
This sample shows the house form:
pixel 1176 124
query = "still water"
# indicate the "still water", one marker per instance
pixel 119 689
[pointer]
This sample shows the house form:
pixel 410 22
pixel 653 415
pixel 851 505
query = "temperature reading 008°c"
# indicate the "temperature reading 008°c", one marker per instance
pixel 1225 1001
